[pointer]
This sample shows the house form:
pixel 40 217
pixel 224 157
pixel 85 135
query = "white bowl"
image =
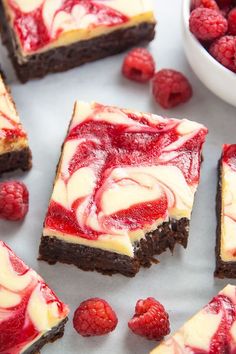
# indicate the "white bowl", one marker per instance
pixel 215 76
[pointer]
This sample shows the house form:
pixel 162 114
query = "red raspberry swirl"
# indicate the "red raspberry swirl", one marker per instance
pixel 22 290
pixel 35 29
pixel 135 156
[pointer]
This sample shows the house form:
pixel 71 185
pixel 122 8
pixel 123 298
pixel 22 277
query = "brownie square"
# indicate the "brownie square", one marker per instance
pixel 226 214
pixel 31 315
pixel 66 35
pixel 14 147
pixel 124 189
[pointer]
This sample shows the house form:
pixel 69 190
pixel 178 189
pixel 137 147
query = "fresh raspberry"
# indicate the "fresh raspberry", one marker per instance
pixel 139 65
pixel 171 88
pixel 232 22
pixel 209 4
pixel 224 51
pixel 150 320
pixel 207 24
pixel 14 200
pixel 94 317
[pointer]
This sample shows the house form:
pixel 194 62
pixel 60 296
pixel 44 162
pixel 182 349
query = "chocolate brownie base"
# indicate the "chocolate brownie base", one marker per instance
pixel 67 57
pixel 49 337
pixel 13 160
pixel 164 237
pixel 223 269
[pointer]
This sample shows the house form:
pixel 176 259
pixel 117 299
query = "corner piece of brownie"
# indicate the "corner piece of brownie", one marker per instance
pixel 124 189
pixel 31 315
pixel 65 34
pixel 14 147
pixel 211 331
pixel 226 215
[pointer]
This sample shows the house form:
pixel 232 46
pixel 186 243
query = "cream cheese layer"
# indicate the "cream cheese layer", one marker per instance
pixel 204 333
pixel 228 201
pixel 40 25
pixel 28 307
pixel 12 135
pixel 121 174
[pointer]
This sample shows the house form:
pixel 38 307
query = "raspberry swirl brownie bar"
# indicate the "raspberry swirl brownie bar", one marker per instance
pixel 14 147
pixel 211 331
pixel 226 214
pixel 45 36
pixel 31 315
pixel 124 189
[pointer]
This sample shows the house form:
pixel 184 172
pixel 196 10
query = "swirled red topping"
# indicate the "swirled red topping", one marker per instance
pixel 210 331
pixel 229 155
pixel 228 203
pixel 41 22
pixel 28 307
pixel 221 339
pixel 122 171
pixel 10 126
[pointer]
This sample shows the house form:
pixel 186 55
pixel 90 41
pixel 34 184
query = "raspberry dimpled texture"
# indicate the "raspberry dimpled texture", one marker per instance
pixel 171 88
pixel 138 65
pixel 150 320
pixel 94 317
pixel 224 51
pixel 232 21
pixel 14 200
pixel 207 24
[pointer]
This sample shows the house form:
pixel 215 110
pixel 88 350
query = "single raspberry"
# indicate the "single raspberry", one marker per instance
pixel 224 51
pixel 94 317
pixel 209 4
pixel 171 88
pixel 207 24
pixel 139 65
pixel 232 22
pixel 150 320
pixel 14 200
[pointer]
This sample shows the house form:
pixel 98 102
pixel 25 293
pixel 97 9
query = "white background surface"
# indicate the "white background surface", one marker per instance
pixel 184 282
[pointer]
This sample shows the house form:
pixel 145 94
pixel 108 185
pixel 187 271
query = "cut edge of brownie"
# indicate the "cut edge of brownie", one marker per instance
pixel 67 57
pixel 223 269
pixel 16 159
pixel 166 236
pixel 49 337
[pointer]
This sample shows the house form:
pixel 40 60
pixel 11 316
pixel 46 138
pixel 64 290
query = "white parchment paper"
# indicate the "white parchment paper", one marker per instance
pixel 184 282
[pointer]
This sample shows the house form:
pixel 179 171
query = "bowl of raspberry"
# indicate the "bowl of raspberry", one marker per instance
pixel 209 30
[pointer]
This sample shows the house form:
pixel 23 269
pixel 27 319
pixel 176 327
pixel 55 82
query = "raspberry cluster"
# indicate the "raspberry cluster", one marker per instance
pixel 95 317
pixel 169 87
pixel 213 22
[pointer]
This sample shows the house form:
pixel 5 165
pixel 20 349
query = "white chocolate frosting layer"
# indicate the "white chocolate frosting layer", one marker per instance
pixel 12 135
pixel 122 174
pixel 204 332
pixel 43 24
pixel 28 307
pixel 228 216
